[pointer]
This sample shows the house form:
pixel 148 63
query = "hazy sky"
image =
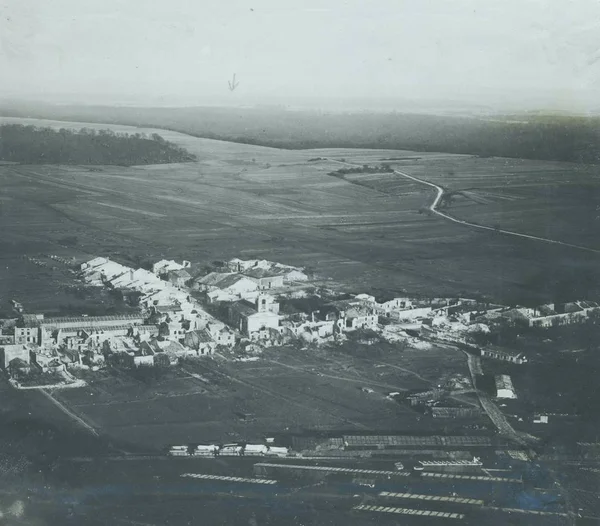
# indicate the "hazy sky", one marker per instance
pixel 544 52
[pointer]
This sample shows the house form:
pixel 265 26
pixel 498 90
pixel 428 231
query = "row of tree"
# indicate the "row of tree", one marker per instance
pixel 364 169
pixel 529 136
pixel 33 145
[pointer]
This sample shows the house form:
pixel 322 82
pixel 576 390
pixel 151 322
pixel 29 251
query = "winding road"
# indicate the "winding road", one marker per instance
pixel 433 207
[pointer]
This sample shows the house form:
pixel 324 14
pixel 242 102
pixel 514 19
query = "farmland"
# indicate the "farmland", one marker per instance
pixel 364 230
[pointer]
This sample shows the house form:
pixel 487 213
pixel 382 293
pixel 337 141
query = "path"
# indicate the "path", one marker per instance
pixel 440 193
pixel 492 410
pixel 68 412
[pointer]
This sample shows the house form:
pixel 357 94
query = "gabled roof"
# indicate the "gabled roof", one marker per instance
pixel 259 273
pixel 18 362
pixel 213 278
pixel 197 337
pixel 231 280
pixel 181 273
pixel 356 311
pixel 243 308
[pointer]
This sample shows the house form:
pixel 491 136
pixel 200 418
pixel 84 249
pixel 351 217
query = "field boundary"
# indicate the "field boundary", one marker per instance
pixel 68 412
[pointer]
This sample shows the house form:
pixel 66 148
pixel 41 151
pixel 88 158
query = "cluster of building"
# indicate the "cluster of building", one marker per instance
pixel 182 312
pixel 550 314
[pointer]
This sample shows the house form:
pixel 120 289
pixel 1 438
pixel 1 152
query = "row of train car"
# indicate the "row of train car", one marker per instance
pixel 229 450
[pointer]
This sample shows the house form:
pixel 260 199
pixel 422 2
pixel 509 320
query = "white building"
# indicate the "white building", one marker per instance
pixel 504 387
pixel 93 263
pixel 254 320
pixel 165 265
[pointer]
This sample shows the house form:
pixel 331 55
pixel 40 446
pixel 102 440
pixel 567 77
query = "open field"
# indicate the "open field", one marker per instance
pixel 218 400
pixel 242 200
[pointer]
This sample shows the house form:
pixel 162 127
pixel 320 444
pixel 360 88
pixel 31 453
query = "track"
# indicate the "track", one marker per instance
pixel 433 207
pixel 69 413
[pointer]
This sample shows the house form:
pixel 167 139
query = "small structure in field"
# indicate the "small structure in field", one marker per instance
pixel 505 355
pixel 504 387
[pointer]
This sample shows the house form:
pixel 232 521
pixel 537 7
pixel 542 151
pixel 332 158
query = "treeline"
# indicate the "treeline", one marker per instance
pixel 34 145
pixel 558 138
pixel 364 169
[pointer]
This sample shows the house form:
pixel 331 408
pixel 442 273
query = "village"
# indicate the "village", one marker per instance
pixel 239 307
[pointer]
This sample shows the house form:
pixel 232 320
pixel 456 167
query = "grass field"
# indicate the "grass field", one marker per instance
pixel 283 392
pixel 242 200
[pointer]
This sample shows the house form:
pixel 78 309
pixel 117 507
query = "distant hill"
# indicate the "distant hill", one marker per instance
pixel 33 145
pixel 529 136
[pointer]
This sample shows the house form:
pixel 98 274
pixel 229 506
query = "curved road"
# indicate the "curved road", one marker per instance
pixel 440 193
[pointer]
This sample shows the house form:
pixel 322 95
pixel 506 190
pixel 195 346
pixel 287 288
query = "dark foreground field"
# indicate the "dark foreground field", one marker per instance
pixel 242 200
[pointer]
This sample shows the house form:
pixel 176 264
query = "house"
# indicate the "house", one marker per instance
pixel 200 341
pixel 210 281
pixel 409 314
pixel 365 297
pixel 398 304
pixel 143 357
pixel 73 356
pixel 231 287
pixel 7 339
pixel 93 263
pixel 92 322
pixel 254 320
pixel 47 362
pixel 165 265
pixel 104 272
pixel 28 334
pixel 92 359
pixel 172 349
pixel 504 387
pixel 143 332
pixel 11 352
pixel 221 334
pixel 292 274
pixel 240 265
pixel 552 315
pixel 27 329
pixel 179 278
pixel 505 355
pixel 352 314
pixel 19 368
pixel 264 278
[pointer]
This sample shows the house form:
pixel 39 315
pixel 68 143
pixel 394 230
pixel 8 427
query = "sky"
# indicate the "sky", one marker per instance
pixel 536 53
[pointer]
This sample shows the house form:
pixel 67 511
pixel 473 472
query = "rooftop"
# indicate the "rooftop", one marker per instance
pixel 90 320
pixel 200 336
pixel 503 381
pixel 181 273
pixel 213 278
pixel 230 280
pixel 244 308
pixel 259 273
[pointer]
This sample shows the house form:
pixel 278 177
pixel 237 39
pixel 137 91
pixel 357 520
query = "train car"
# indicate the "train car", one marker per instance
pixel 255 450
pixel 179 451
pixel 231 450
pixel 276 451
pixel 206 451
